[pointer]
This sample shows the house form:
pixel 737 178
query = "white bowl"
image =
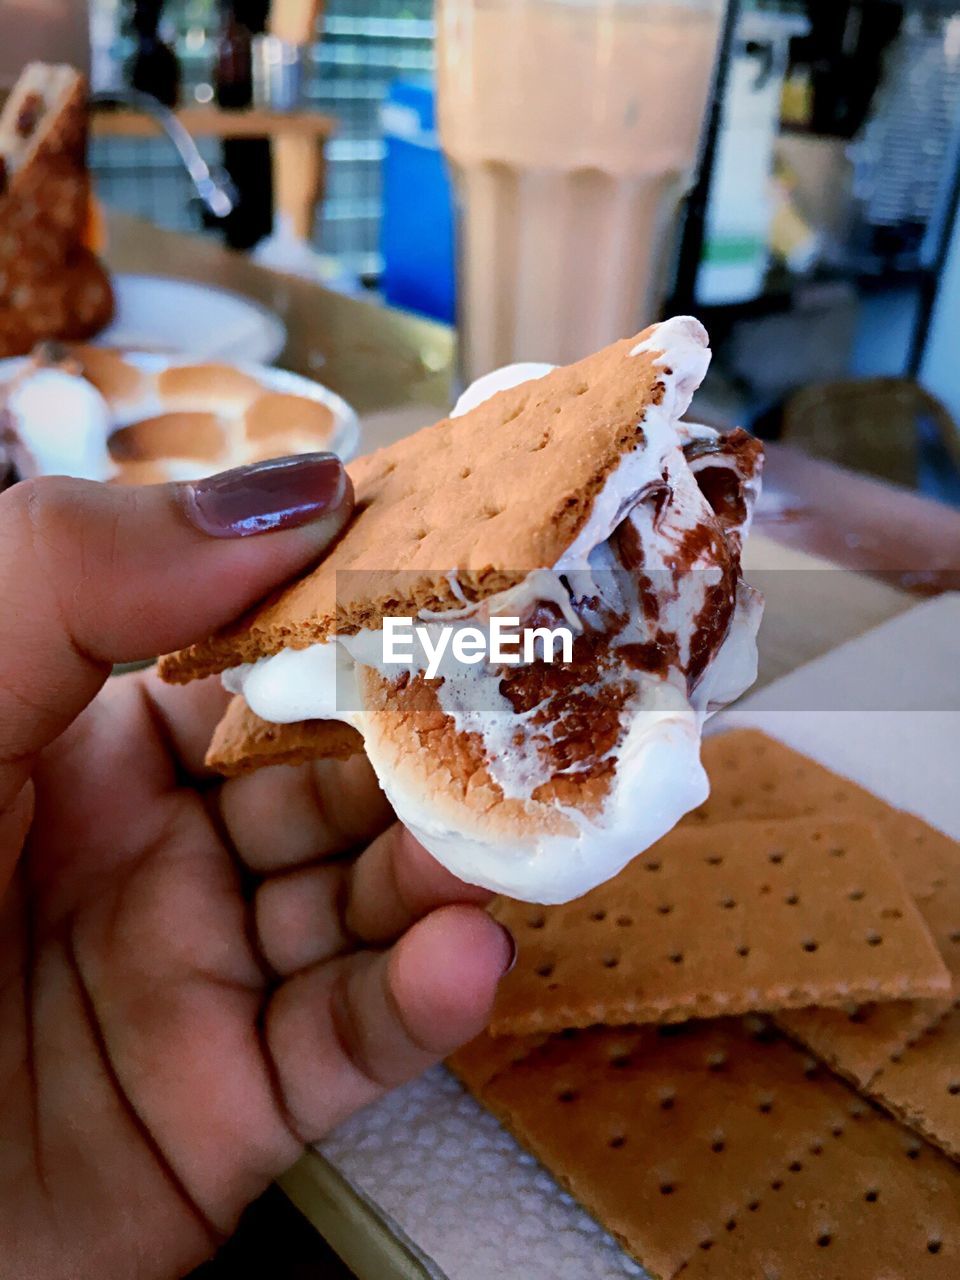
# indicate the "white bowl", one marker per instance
pixel 184 318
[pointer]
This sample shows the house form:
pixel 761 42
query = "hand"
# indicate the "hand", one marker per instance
pixel 192 984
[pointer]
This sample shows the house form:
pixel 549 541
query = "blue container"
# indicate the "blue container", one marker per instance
pixel 416 230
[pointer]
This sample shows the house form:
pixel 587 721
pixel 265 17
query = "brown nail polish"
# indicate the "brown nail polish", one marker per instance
pixel 282 493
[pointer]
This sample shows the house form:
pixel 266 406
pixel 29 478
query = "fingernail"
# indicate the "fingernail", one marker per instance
pixel 512 943
pixel 281 493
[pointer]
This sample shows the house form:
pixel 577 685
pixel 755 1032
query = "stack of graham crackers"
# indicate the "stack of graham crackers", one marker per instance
pixel 653 1045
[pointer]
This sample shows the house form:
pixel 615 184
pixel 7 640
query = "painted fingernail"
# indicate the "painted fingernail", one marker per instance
pixel 512 943
pixel 281 493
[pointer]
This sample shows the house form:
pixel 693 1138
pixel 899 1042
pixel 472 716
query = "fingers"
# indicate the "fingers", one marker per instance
pixel 298 918
pixel 315 913
pixel 92 575
pixel 281 817
pixel 341 1034
pixel 181 718
pixel 395 882
pixel 14 824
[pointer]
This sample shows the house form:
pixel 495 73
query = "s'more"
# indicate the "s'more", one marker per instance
pixel 577 505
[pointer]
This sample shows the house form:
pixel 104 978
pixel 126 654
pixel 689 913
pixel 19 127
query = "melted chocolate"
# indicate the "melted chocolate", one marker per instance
pixel 662 495
pixel 710 626
pixel 655 658
pixel 543 614
pixel 627 545
pixel 648 598
pixel 723 489
pixel 745 449
pixel 696 543
pixel 579 712
pixel 739 458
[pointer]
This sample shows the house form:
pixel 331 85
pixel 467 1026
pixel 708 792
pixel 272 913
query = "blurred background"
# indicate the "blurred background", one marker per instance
pixel 787 169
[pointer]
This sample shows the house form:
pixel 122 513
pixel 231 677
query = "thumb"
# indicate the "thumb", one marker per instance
pixel 91 575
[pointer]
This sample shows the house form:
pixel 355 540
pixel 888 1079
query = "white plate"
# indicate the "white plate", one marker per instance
pixel 182 317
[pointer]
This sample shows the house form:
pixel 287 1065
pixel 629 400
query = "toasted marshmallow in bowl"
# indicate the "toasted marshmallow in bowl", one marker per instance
pixel 188 444
pixel 238 414
pixel 140 419
pixel 278 423
pixel 217 388
pixel 124 386
pixel 198 435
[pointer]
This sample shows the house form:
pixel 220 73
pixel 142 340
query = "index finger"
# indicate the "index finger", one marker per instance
pixel 284 816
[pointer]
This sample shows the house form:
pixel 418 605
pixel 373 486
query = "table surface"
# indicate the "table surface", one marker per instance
pixel 213 121
pixel 396 370
pixel 386 360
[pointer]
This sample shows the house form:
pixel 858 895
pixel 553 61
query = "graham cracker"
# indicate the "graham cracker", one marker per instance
pixel 756 777
pixel 486 497
pixel 907 1055
pixel 723 919
pixel 714 1150
pixel 920 1085
pixel 861 1042
pixel 873 1203
pixel 243 742
pixel 858 1040
pixel 901 1052
pixel 478 1063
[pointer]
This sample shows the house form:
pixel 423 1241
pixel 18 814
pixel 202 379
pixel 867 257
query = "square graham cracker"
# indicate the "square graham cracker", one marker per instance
pixel 905 1055
pixel 860 1042
pixel 755 777
pixel 873 1203
pixel 723 919
pixel 464 508
pixel 711 1150
pixel 243 742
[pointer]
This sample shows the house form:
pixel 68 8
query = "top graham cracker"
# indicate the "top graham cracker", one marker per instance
pixel 488 496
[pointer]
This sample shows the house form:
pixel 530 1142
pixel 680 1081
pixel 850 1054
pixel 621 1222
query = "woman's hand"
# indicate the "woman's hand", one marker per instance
pixel 193 982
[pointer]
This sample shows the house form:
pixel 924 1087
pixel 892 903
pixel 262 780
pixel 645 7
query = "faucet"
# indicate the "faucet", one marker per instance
pixel 213 186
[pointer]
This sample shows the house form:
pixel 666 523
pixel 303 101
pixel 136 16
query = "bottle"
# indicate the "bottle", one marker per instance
pixel 154 68
pixel 233 73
